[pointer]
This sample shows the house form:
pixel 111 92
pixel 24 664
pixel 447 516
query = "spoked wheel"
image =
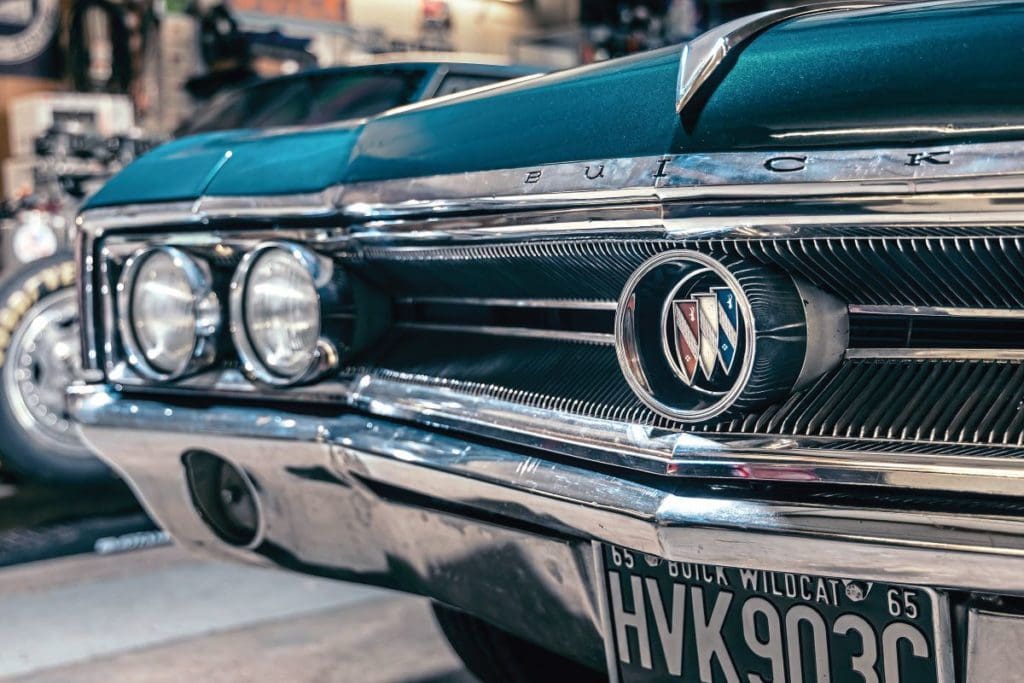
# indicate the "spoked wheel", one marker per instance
pixel 39 322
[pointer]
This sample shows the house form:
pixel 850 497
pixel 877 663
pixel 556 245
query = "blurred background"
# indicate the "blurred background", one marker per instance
pixel 86 85
pixel 155 61
pixel 90 588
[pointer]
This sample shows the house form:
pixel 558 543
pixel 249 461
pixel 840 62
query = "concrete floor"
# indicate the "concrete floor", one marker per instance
pixel 161 615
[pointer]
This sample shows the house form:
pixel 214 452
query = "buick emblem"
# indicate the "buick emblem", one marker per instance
pixel 699 337
pixel 706 333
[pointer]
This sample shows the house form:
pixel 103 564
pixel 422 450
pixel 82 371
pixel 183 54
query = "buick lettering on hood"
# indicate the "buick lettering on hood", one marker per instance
pixel 703 364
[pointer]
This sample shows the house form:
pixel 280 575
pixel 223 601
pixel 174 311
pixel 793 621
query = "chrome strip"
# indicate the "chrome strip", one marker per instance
pixel 939 549
pixel 683 454
pixel 567 304
pixel 939 312
pixel 564 335
pixel 604 613
pixel 783 173
pixel 995 645
pixel 298 205
pixel 936 354
pixel 996 166
pixel 94 222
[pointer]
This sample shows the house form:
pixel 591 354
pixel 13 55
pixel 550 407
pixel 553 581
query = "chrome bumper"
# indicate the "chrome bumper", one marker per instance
pixel 505 535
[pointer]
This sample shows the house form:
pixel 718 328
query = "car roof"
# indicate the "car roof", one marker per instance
pixel 415 62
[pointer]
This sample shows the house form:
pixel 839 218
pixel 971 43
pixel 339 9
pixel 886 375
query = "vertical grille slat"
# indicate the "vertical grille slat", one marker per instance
pixel 1004 412
pixel 913 411
pixel 885 401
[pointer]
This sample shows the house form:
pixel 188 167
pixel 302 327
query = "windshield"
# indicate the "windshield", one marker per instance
pixel 320 97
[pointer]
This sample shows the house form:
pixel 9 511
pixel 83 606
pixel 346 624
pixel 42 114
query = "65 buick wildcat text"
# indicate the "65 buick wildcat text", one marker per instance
pixel 736 624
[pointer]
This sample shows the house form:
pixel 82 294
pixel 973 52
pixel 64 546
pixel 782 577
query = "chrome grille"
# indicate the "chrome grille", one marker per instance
pixel 530 323
pixel 939 401
pixel 985 272
pixel 502 293
pixel 964 402
pixel 906 401
pixel 898 266
pixel 591 269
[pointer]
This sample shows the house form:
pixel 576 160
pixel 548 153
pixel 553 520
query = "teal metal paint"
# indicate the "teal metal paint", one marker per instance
pixel 178 170
pixel 285 163
pixel 919 74
pixel 616 109
pixel 244 162
pixel 895 75
pixel 910 72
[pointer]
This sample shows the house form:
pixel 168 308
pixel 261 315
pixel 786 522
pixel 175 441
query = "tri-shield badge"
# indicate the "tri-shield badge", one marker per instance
pixel 687 327
pixel 706 332
pixel 707 305
pixel 728 326
pixel 698 336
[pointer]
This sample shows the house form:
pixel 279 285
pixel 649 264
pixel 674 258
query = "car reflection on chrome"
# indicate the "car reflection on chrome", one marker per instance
pixel 701 365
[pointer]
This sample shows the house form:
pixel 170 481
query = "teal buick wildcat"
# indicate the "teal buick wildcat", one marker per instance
pixel 700 365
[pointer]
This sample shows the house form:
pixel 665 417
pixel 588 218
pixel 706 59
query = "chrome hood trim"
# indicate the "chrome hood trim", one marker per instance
pixel 780 174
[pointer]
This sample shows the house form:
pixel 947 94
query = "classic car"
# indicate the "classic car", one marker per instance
pixel 38 319
pixel 703 364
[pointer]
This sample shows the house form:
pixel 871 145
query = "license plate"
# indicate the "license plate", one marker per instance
pixel 688 621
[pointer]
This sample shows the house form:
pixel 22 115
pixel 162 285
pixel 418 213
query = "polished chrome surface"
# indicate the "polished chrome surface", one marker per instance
pixel 324 357
pixel 750 457
pixel 894 544
pixel 939 312
pixel 630 352
pixel 839 219
pixel 828 332
pixel 309 205
pixel 324 514
pixel 995 645
pixel 43 359
pixel 525 332
pixel 974 167
pixel 205 305
pixel 577 304
pixel 751 175
pixel 935 354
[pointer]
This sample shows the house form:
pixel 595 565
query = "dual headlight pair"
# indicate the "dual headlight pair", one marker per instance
pixel 170 315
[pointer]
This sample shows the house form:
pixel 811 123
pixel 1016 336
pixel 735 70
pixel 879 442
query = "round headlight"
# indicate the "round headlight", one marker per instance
pixel 275 313
pixel 169 313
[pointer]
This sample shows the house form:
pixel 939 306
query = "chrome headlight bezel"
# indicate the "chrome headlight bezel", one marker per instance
pixel 324 355
pixel 206 310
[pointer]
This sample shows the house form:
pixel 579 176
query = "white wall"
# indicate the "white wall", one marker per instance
pixel 486 26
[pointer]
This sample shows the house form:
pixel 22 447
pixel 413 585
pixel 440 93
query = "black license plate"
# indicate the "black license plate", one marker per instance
pixel 697 622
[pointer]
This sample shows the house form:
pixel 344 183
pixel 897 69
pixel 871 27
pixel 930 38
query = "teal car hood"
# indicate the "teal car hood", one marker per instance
pixel 922 73
pixel 240 162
